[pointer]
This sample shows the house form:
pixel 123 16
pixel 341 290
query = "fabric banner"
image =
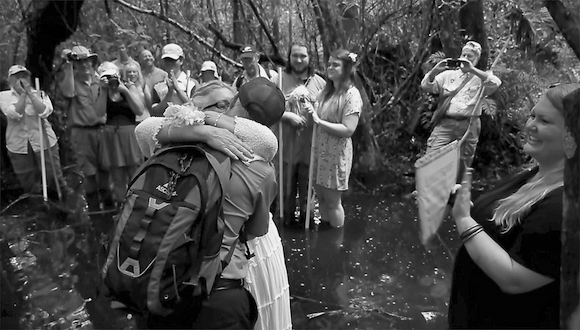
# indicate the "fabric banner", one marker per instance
pixel 435 177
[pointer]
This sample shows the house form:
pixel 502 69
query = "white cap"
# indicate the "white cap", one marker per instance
pixel 210 66
pixel 107 69
pixel 17 68
pixel 172 51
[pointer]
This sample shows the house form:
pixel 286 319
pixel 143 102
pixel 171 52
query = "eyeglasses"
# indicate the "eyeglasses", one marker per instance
pixel 554 85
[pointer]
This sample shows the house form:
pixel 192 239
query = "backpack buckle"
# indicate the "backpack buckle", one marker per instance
pixel 130 263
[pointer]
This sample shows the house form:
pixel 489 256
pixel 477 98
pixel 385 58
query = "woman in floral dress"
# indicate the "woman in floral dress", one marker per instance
pixel 336 118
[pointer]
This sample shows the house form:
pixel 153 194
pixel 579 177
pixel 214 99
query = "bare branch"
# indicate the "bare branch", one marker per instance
pixel 181 27
pixel 264 27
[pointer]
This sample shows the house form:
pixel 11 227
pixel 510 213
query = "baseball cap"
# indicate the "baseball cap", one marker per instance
pixel 473 46
pixel 209 66
pixel 82 52
pixel 172 51
pixel 17 68
pixel 263 100
pixel 107 69
pixel 248 52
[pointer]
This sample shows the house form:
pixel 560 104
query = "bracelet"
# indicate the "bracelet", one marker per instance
pixel 217 119
pixel 469 231
pixel 467 238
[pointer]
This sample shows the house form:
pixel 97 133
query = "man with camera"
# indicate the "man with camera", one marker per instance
pixel 460 85
pixel 178 87
pixel 23 106
pixel 82 87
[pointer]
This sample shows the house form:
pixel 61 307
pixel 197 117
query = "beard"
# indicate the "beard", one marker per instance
pixel 297 71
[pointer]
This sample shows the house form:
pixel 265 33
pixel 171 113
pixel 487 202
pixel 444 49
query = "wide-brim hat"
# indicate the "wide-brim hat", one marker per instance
pixel 263 100
pixel 83 52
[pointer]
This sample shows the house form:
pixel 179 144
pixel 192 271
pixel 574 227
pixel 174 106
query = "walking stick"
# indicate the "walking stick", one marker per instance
pixel 310 172
pixel 280 157
pixel 42 160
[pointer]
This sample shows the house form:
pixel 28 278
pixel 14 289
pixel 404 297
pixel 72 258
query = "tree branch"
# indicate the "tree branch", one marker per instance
pixel 181 27
pixel 265 28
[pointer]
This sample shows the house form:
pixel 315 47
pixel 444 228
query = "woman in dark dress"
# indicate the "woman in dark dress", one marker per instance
pixel 507 273
pixel 122 155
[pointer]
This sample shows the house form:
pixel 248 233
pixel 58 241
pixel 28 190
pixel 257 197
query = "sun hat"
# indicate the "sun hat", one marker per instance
pixel 172 51
pixel 210 66
pixel 82 52
pixel 263 100
pixel 248 52
pixel 17 68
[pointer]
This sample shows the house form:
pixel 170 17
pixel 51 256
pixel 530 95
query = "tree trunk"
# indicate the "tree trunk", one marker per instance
pixel 51 23
pixel 448 26
pixel 569 298
pixel 276 10
pixel 473 27
pixel 237 24
pixel 567 23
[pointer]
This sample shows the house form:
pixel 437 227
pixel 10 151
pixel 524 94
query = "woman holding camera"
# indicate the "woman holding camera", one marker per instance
pixel 507 272
pixel 123 104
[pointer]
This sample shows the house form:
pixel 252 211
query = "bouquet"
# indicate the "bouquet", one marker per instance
pixel 186 114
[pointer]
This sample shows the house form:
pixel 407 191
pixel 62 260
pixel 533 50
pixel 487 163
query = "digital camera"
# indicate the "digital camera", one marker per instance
pixel 72 56
pixel 113 81
pixel 454 63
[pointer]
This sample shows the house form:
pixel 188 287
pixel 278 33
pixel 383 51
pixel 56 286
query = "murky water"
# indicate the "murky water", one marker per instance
pixel 372 274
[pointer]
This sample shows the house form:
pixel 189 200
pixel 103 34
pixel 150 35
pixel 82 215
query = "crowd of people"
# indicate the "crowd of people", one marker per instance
pixel 121 111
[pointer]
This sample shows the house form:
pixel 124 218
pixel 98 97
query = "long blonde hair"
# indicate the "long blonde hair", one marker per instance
pixel 512 209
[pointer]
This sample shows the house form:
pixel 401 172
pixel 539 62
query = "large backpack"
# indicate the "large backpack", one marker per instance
pixel 164 247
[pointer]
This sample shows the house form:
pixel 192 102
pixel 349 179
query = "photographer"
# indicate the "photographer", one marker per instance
pixel 122 104
pixel 82 87
pixel 22 106
pixel 459 84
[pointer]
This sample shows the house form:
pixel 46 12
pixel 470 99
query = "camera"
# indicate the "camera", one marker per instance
pixel 113 81
pixel 72 56
pixel 454 63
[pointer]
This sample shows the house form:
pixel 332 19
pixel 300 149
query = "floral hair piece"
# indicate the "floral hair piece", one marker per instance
pixel 352 57
pixel 186 114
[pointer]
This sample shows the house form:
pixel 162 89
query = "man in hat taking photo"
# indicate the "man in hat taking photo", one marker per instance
pixel 252 69
pixel 460 85
pixel 178 87
pixel 83 88
pixel 22 106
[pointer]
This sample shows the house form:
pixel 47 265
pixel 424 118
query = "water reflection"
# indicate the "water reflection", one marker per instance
pixel 372 274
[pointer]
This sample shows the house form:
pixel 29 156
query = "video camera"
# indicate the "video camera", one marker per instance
pixel 454 63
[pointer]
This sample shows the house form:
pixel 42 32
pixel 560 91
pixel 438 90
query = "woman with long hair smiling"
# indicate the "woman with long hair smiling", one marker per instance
pixel 507 273
pixel 336 117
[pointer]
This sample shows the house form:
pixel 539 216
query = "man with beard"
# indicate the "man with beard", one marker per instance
pixel 297 130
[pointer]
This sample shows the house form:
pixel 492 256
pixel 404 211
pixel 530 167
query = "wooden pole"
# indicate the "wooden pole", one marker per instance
pixel 310 172
pixel 569 277
pixel 280 157
pixel 42 158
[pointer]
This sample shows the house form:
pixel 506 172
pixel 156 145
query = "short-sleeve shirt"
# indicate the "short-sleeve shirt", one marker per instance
pixel 82 110
pixel 477 301
pixel 183 82
pixel 251 190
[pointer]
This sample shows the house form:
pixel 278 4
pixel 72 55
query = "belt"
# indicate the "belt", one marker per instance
pixel 458 118
pixel 226 284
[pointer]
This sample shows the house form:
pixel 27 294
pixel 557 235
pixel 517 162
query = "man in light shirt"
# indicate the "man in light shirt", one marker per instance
pixel 178 87
pixel 22 106
pixel 464 83
pixel 252 69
